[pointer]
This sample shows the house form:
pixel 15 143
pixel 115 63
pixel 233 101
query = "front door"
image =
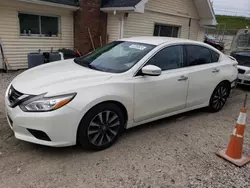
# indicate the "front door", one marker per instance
pixel 158 95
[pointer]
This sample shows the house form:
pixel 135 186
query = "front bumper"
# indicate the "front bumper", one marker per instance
pixel 243 79
pixel 60 125
pixel 233 84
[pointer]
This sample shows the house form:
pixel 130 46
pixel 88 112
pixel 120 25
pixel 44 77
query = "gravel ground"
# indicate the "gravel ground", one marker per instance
pixel 174 152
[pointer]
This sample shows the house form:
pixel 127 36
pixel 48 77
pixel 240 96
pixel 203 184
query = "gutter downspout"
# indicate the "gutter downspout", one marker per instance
pixel 189 27
pixel 122 26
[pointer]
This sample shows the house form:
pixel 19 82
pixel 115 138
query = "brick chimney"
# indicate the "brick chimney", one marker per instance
pixel 89 16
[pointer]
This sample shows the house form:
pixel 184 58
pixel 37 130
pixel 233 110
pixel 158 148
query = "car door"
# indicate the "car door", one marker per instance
pixel 158 95
pixel 204 73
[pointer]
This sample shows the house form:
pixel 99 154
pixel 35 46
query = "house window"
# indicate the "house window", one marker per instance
pixel 38 25
pixel 166 30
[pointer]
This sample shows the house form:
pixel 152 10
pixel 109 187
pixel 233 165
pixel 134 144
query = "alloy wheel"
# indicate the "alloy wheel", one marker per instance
pixel 103 128
pixel 220 97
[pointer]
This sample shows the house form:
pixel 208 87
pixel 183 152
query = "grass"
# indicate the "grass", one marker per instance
pixel 232 23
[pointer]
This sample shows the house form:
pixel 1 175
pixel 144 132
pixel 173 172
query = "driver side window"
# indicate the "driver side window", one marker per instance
pixel 168 58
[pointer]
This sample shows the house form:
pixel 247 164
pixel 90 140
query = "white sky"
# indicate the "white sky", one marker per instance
pixel 232 7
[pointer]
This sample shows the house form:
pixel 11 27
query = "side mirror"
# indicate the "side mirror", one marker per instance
pixel 151 70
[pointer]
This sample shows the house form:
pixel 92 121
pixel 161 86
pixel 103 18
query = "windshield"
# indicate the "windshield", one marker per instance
pixel 115 57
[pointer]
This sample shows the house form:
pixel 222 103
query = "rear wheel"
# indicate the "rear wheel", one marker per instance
pixel 101 126
pixel 219 97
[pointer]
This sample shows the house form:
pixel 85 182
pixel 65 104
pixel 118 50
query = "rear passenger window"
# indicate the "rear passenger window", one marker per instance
pixel 197 55
pixel 215 56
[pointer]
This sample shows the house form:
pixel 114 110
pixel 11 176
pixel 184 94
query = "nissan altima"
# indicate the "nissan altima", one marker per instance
pixel 92 99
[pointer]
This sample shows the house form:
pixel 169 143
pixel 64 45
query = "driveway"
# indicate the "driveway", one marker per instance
pixel 174 152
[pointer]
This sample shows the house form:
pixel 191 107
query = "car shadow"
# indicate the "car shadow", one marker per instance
pixel 166 121
pixel 243 87
pixel 77 149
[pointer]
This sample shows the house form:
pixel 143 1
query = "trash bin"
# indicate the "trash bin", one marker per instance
pixel 54 56
pixel 35 59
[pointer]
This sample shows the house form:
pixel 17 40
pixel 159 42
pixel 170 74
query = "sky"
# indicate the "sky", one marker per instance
pixel 232 7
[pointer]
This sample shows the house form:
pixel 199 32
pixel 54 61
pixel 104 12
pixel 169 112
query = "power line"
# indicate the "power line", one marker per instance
pixel 230 8
pixel 233 11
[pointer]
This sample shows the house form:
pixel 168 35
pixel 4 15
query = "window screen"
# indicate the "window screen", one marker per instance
pixel 168 58
pixel 166 31
pixel 197 55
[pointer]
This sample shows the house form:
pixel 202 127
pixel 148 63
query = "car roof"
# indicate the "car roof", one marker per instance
pixel 158 40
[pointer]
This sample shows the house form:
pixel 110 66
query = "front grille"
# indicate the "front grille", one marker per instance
pixel 13 96
pixel 241 71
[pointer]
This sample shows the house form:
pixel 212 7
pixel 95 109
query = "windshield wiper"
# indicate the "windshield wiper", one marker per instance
pixel 79 61
pixel 93 67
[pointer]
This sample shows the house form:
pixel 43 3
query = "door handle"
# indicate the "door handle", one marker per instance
pixel 183 78
pixel 215 70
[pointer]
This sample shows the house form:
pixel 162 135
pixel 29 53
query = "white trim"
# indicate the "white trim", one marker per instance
pixel 211 9
pixel 140 7
pixel 109 9
pixel 50 4
pixel 214 21
pixel 209 20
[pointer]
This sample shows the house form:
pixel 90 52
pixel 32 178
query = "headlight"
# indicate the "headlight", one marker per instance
pixel 45 104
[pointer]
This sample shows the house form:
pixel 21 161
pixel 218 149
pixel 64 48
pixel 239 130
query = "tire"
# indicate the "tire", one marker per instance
pixel 219 97
pixel 101 127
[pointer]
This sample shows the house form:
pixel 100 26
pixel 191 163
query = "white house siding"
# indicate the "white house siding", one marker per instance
pixel 17 47
pixel 174 7
pixel 201 34
pixel 143 24
pixel 169 12
pixel 113 27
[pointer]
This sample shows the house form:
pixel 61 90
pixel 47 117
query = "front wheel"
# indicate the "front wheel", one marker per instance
pixel 101 126
pixel 219 97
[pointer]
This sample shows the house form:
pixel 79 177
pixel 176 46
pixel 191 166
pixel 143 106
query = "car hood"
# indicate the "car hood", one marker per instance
pixel 245 53
pixel 243 57
pixel 58 78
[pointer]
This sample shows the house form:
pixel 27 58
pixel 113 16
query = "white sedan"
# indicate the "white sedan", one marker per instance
pixel 91 100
